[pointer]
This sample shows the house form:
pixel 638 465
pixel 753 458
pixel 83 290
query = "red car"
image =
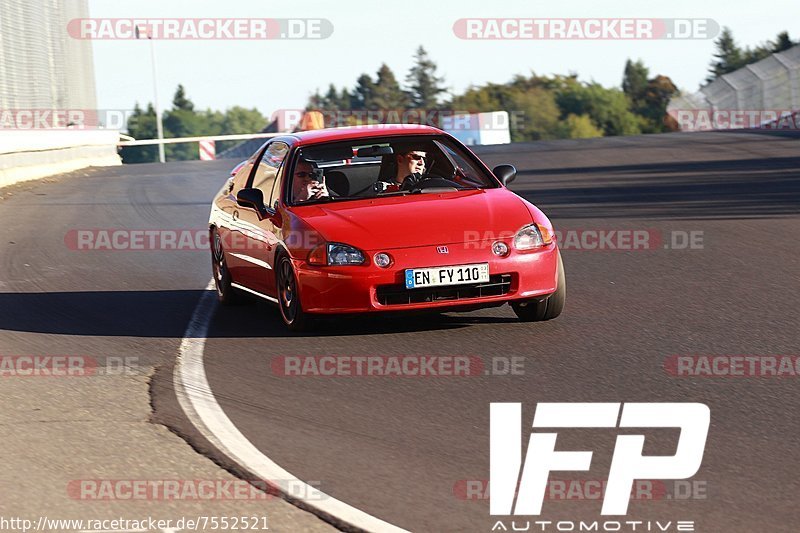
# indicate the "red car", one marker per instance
pixel 381 218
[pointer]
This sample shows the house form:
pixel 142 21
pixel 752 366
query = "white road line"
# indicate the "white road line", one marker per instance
pixel 201 407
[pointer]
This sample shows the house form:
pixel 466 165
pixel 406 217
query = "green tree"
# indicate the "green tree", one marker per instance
pixel 387 94
pixel 183 121
pixel 728 56
pixel 364 93
pixel 533 110
pixel 648 97
pixel 180 101
pixel 608 108
pixel 535 113
pixel 580 127
pixel 783 42
pixel 238 120
pixel 657 95
pixel 634 82
pixel 423 83
pixel 141 125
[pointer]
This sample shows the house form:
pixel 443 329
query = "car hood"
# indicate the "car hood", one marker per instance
pixel 419 219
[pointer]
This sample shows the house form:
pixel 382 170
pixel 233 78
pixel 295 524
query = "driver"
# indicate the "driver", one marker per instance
pixel 410 165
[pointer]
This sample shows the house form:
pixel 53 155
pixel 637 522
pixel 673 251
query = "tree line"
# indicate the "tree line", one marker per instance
pixel 540 107
pixel 729 56
pixel 183 120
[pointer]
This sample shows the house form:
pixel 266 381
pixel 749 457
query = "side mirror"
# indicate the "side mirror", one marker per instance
pixel 505 173
pixel 252 198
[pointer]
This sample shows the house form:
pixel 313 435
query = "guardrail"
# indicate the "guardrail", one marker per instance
pixel 28 155
pixel 174 140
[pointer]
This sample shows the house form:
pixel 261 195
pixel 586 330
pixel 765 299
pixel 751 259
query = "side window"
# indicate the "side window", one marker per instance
pixel 276 189
pixel 242 175
pixel 267 169
pixel 240 178
pixel 464 168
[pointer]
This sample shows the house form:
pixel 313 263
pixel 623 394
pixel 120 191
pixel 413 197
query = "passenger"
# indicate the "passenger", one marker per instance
pixel 308 182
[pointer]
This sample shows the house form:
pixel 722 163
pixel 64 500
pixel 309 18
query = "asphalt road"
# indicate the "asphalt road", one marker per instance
pixel 404 449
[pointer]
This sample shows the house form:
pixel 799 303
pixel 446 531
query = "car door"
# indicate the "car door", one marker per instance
pixel 228 209
pixel 259 232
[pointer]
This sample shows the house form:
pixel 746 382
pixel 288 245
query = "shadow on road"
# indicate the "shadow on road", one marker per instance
pixel 167 313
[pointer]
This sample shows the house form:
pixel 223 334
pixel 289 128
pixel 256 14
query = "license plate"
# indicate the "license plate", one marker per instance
pixel 451 275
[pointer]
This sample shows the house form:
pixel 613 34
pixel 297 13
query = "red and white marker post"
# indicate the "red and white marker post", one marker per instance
pixel 207 151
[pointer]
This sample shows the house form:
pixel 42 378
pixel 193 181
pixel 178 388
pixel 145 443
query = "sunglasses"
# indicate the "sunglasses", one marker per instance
pixel 417 157
pixel 315 174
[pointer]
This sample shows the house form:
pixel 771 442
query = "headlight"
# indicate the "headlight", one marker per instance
pixel 344 254
pixel 530 237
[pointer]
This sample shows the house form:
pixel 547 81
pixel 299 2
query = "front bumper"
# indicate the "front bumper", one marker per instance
pixel 364 288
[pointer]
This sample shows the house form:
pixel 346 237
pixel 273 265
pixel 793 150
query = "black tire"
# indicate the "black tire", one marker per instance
pixel 226 294
pixel 547 308
pixel 289 297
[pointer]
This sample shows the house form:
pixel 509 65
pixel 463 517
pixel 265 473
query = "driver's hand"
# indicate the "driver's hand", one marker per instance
pixel 382 186
pixel 314 191
pixel 317 191
pixel 411 181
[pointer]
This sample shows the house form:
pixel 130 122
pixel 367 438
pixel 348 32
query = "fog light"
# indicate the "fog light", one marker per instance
pixel 500 248
pixel 383 260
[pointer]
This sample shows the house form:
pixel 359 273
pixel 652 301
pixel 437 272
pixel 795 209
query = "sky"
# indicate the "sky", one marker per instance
pixel 281 74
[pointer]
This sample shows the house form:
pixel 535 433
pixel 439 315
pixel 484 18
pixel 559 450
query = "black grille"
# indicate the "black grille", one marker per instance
pixel 497 285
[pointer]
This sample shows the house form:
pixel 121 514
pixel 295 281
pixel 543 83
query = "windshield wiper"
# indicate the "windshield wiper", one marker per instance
pixel 393 193
pixel 323 200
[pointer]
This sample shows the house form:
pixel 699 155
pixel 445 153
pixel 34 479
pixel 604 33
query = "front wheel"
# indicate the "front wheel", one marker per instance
pixel 289 297
pixel 547 308
pixel 226 294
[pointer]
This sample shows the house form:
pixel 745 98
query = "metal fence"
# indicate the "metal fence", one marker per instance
pixel 41 66
pixel 756 95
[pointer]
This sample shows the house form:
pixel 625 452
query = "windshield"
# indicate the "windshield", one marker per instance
pixel 389 166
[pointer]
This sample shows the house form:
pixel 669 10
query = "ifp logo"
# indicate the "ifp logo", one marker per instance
pixel 627 464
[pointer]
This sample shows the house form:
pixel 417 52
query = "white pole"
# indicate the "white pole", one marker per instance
pixel 159 126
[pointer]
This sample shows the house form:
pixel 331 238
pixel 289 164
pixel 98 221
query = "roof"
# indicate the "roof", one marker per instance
pixel 363 132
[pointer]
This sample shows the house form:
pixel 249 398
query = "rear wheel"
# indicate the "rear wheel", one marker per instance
pixel 546 308
pixel 289 297
pixel 226 294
